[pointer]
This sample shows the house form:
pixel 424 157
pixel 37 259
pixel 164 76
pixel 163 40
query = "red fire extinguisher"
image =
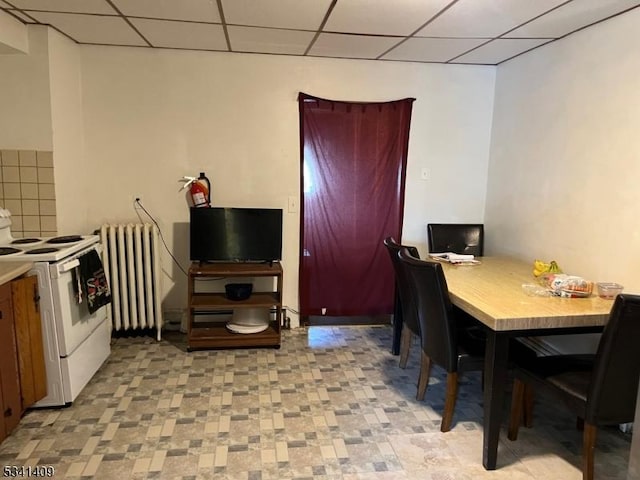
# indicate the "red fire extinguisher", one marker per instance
pixel 199 190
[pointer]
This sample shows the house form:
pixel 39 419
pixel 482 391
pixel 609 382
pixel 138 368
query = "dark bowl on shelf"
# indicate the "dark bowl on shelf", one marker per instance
pixel 238 291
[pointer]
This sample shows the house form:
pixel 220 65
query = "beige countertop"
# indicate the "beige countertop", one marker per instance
pixel 11 270
pixel 492 293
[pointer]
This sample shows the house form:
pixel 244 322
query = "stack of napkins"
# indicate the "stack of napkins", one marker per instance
pixel 455 258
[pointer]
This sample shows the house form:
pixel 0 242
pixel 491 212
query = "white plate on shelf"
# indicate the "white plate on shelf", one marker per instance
pixel 234 327
pixel 250 317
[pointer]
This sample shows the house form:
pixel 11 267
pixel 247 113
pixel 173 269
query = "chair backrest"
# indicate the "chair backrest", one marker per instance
pixel 407 303
pixel 465 238
pixel 437 324
pixel 614 381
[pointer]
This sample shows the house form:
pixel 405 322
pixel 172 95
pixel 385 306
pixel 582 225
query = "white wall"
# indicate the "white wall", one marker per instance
pixel 151 117
pixel 126 122
pixel 565 154
pixel 72 172
pixel 25 104
pixel 13 35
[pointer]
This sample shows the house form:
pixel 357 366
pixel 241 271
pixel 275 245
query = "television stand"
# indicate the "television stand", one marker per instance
pixel 214 334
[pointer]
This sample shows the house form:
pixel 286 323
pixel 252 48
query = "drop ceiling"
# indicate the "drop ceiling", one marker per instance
pixel 484 32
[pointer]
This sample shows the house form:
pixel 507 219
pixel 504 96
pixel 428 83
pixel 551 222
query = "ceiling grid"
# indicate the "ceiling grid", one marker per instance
pixel 479 32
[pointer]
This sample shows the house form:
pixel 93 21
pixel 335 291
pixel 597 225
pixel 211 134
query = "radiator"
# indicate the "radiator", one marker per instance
pixel 131 258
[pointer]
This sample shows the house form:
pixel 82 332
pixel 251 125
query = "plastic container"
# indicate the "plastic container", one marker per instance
pixel 535 290
pixel 569 286
pixel 609 290
pixel 238 291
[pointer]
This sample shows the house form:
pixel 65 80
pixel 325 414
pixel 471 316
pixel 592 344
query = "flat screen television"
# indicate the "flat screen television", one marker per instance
pixel 235 234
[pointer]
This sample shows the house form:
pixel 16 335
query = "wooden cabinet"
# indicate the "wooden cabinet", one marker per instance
pixel 214 334
pixel 10 401
pixel 26 316
pixel 22 369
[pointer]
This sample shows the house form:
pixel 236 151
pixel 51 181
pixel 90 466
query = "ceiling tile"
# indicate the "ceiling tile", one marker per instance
pixel 499 50
pixel 77 6
pixel 196 36
pixel 351 46
pixel 23 17
pixel 382 17
pixel 91 28
pixel 571 17
pixel 300 14
pixel 439 30
pixel 488 18
pixel 432 49
pixel 269 40
pixel 195 10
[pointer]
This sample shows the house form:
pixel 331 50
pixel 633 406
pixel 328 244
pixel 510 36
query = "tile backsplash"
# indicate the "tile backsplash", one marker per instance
pixel 27 191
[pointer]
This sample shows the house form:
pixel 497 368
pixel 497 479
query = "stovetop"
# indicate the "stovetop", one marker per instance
pixel 45 249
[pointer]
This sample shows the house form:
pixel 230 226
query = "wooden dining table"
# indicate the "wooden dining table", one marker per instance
pixel 492 292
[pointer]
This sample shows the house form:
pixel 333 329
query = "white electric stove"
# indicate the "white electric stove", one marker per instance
pixel 42 249
pixel 76 343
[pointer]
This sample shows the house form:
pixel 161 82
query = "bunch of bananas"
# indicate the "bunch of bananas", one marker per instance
pixel 540 267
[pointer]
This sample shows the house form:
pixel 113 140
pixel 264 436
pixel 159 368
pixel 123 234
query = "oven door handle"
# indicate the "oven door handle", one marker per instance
pixel 64 267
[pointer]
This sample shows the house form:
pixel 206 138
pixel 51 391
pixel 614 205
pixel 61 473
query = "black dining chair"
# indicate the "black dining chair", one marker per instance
pixel 463 238
pixel 600 390
pixel 445 339
pixel 405 319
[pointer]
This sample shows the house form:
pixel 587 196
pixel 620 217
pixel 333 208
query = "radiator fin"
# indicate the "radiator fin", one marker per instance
pixel 131 258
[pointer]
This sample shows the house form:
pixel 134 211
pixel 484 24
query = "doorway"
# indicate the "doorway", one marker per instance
pixel 353 166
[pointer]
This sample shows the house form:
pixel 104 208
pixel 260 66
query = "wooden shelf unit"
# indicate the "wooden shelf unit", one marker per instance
pixel 214 334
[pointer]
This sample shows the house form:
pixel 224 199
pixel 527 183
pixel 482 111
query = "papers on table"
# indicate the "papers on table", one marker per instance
pixel 457 258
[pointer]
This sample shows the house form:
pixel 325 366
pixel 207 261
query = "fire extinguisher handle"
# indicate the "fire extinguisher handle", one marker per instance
pixel 203 177
pixel 188 181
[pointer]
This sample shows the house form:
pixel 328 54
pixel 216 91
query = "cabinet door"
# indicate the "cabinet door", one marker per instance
pixel 11 404
pixel 26 316
pixel 3 430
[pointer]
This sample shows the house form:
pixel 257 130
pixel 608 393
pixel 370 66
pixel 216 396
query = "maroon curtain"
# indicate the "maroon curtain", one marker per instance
pixel 353 159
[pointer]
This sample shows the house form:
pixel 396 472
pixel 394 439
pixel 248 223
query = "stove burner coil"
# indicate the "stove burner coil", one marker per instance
pixel 8 250
pixel 65 239
pixel 23 241
pixel 36 251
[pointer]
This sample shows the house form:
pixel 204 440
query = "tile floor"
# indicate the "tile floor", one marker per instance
pixel 331 403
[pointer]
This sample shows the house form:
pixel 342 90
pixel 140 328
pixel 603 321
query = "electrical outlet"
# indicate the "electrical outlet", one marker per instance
pixel 293 204
pixel 135 198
